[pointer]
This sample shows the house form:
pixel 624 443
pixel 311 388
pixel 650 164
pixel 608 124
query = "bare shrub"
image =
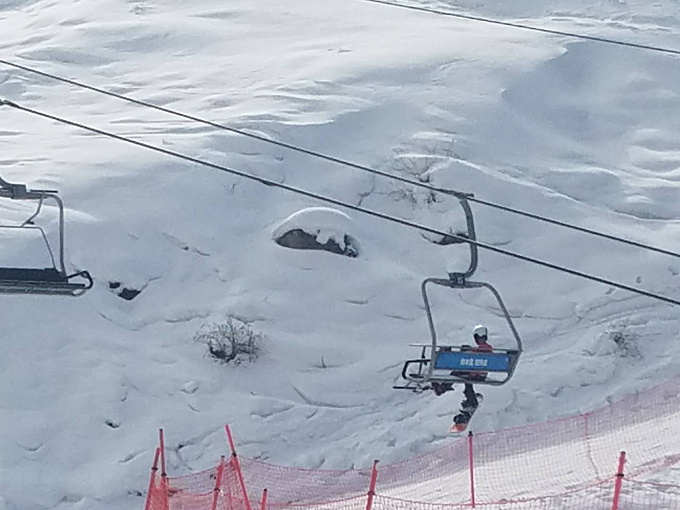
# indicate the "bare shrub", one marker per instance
pixel 420 162
pixel 626 343
pixel 618 339
pixel 231 341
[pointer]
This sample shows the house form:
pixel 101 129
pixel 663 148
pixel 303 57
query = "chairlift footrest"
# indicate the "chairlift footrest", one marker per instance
pixel 33 287
pixel 42 281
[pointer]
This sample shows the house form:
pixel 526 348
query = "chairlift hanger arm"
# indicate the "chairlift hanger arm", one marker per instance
pixel 457 281
pixel 506 314
pixel 460 195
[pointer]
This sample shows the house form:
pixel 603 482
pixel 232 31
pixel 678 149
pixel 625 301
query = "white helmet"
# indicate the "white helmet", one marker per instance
pixel 480 331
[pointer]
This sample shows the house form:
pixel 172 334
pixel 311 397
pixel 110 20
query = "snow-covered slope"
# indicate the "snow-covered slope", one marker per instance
pixel 576 130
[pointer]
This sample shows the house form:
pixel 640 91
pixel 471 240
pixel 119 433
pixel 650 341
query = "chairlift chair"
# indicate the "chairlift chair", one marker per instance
pixel 457 364
pixel 49 280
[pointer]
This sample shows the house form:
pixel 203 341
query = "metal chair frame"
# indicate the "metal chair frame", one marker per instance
pixel 47 281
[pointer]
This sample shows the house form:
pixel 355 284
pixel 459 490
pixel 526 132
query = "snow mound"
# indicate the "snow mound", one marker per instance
pixel 318 228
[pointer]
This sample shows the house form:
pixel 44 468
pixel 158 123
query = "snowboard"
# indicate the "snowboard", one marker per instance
pixel 459 428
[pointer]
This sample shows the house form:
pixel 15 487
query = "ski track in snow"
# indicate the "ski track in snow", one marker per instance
pixel 575 130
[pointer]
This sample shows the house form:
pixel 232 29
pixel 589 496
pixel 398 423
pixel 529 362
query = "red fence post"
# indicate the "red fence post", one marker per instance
pixel 164 474
pixel 471 465
pixel 218 483
pixel 152 480
pixel 619 481
pixel 371 487
pixel 237 467
pixel 263 502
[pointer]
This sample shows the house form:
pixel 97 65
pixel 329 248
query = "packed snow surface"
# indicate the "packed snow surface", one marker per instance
pixel 577 130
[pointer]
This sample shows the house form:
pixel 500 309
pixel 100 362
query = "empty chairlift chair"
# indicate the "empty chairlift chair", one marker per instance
pixel 52 280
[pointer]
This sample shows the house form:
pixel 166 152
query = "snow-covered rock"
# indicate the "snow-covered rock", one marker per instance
pixel 318 228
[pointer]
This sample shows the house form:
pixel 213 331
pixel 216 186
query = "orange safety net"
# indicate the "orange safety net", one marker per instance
pixel 562 464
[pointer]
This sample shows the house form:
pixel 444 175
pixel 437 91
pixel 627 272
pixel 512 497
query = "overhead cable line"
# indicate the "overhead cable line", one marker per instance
pixel 340 203
pixel 340 161
pixel 525 27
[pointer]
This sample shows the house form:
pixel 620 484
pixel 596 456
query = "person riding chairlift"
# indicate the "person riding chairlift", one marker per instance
pixel 471 402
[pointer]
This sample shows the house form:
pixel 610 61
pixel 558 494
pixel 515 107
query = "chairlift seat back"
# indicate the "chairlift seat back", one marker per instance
pixel 473 361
